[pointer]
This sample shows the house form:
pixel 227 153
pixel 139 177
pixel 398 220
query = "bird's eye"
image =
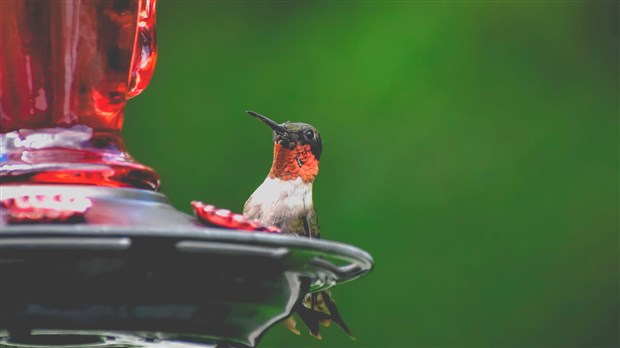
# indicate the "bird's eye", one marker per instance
pixel 309 134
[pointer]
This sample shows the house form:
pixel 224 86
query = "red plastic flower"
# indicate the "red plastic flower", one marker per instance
pixel 223 218
pixel 46 209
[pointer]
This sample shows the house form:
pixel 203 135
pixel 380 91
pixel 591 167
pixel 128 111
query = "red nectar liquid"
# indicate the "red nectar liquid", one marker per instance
pixel 67 69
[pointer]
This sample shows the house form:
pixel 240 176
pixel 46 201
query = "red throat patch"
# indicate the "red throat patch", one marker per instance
pixel 291 164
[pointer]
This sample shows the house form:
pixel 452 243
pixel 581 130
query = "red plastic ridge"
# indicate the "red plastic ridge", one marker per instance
pixel 45 209
pixel 210 215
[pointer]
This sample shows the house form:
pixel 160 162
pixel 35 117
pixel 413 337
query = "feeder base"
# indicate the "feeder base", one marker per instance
pixel 140 270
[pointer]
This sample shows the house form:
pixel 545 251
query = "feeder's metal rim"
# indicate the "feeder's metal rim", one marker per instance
pixel 206 233
pixel 191 239
pixel 188 234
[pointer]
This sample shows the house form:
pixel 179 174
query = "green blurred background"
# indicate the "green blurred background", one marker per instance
pixel 470 147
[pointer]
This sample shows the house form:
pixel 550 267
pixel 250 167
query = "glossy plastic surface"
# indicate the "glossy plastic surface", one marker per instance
pixel 72 65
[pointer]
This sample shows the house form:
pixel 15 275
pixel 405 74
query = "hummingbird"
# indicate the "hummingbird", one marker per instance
pixel 284 200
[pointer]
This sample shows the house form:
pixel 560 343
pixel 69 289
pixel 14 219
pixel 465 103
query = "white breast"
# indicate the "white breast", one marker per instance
pixel 278 202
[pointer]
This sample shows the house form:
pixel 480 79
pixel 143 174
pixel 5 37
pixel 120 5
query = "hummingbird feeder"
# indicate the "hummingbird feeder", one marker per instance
pixel 91 255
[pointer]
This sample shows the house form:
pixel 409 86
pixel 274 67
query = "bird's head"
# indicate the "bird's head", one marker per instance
pixel 297 149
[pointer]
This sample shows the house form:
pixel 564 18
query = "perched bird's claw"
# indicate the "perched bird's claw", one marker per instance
pixel 291 324
pixel 317 336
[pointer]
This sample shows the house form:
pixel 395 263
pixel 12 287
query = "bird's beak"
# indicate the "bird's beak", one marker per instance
pixel 275 126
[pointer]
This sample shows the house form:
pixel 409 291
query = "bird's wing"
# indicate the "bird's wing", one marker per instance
pixel 252 211
pixel 311 225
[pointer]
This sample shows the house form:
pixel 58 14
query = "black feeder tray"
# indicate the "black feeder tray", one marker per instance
pixel 138 273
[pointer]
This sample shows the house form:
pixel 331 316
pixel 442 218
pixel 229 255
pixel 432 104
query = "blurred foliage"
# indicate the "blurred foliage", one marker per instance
pixel 470 147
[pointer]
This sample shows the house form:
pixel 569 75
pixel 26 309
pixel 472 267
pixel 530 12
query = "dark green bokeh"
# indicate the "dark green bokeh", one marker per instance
pixel 470 147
